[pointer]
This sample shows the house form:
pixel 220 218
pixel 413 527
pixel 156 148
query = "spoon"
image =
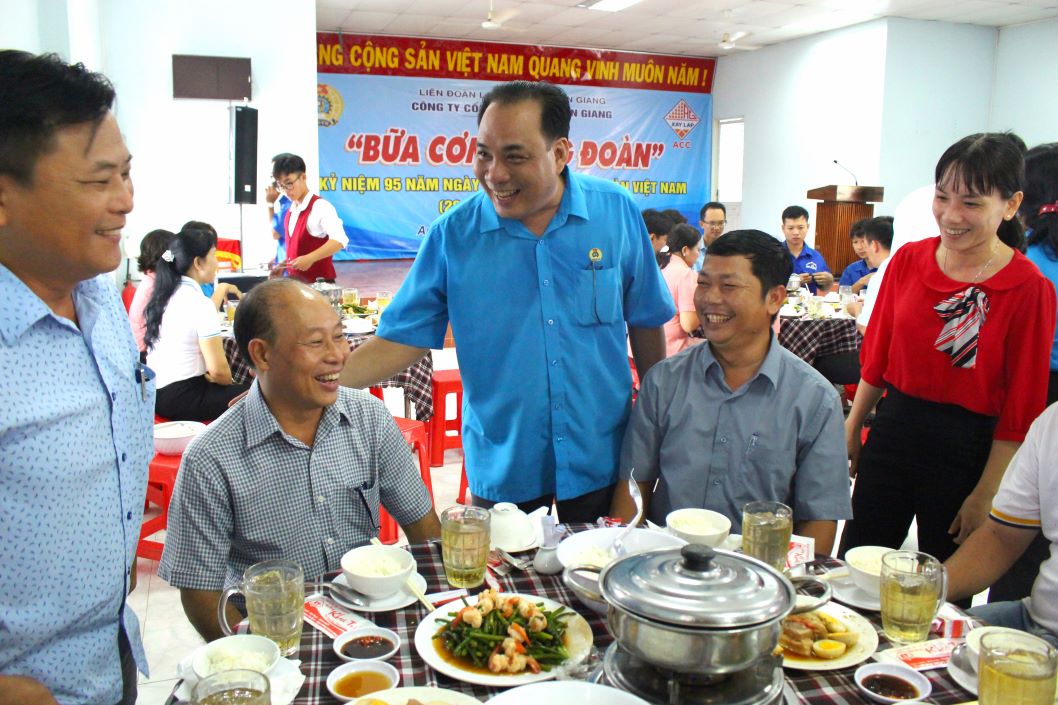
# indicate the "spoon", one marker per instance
pixel 347 594
pixel 637 497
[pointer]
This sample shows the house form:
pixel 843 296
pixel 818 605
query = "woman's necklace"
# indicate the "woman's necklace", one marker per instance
pixel 995 250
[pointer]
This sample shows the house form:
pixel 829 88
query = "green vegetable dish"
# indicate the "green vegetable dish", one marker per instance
pixel 505 635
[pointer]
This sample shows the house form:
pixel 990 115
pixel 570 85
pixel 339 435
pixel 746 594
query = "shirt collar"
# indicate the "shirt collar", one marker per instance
pixel 574 203
pixel 22 308
pixel 769 367
pixel 806 251
pixel 261 423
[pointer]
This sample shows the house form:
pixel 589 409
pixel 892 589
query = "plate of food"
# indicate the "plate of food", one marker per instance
pixel 417 695
pixel 503 640
pixel 826 639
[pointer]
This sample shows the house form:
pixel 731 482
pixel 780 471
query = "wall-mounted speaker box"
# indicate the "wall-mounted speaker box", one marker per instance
pixel 242 152
pixel 211 77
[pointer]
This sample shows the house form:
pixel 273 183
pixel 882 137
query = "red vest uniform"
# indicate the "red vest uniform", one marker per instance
pixel 302 243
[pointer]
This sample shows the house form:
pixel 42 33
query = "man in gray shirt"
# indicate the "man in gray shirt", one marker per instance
pixel 742 418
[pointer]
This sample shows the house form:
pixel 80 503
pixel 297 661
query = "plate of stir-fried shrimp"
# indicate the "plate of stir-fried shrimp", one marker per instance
pixel 503 639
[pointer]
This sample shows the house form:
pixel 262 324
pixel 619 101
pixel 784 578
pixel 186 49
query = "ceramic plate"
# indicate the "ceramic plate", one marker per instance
pixel 973 640
pixel 400 696
pixel 358 325
pixel 863 650
pixel 849 593
pixel 578 641
pixel 566 693
pixel 583 546
pixel 403 598
pixel 966 679
pixel 534 542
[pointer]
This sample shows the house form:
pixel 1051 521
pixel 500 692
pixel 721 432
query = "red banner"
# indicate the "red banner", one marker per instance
pixel 492 61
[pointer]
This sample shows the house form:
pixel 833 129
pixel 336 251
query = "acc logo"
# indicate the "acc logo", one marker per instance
pixel 329 105
pixel 682 119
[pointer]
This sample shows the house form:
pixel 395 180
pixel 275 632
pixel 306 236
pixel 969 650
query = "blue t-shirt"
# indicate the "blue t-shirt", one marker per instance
pixel 808 262
pixel 540 327
pixel 1041 257
pixel 279 214
pixel 854 272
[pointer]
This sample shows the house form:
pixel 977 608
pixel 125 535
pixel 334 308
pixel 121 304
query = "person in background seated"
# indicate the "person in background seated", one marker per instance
pixel 676 259
pixel 959 341
pixel 152 246
pixel 658 227
pixel 183 337
pixel 314 230
pixel 217 293
pixel 1018 517
pixel 297 470
pixel 807 263
pixel 859 272
pixel 740 418
pixel 547 385
pixel 877 238
pixel 75 404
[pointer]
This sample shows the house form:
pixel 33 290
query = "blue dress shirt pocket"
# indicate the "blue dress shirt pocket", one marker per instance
pixel 598 296
pixel 365 501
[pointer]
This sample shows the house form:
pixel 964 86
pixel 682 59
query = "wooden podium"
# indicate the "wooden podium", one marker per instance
pixel 840 207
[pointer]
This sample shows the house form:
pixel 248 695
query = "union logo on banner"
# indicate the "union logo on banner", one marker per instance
pixel 329 105
pixel 682 119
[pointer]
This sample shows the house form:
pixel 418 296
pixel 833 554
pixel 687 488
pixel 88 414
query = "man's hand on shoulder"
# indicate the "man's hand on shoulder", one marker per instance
pixel 21 690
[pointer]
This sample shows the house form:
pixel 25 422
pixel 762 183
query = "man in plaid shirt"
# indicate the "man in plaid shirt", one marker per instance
pixel 297 470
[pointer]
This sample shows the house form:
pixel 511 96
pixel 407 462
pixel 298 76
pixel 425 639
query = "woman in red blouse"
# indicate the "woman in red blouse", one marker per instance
pixel 960 340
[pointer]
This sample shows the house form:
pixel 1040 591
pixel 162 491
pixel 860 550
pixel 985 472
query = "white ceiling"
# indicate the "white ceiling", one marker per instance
pixel 688 27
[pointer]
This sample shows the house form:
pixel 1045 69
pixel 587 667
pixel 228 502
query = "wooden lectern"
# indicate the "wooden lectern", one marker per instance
pixel 840 207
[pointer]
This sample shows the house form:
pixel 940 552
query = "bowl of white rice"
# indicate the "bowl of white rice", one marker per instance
pixel 865 567
pixel 701 526
pixel 377 571
pixel 254 653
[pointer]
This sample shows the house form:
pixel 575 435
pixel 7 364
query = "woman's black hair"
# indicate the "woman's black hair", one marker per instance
pixel 986 162
pixel 152 246
pixel 680 235
pixel 1041 189
pixel 185 246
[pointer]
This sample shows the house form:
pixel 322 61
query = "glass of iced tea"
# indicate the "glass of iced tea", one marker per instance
pixel 351 297
pixel 275 603
pixel 383 299
pixel 766 531
pixel 465 545
pixel 237 687
pixel 913 588
pixel 1016 669
pixel 229 307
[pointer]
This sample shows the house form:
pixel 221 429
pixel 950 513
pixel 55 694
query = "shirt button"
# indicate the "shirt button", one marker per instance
pixel 558 406
pixel 123 457
pixel 129 516
pixel 716 482
pixel 554 362
pixel 551 321
pixel 113 396
pixel 547 282
pixel 330 540
pixel 559 439
pixel 321 499
pixel 723 439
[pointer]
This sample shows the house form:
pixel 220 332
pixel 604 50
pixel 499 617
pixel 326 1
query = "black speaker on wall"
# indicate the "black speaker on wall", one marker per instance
pixel 242 153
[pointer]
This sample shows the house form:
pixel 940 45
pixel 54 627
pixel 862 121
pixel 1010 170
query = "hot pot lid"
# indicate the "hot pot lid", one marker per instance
pixel 697 586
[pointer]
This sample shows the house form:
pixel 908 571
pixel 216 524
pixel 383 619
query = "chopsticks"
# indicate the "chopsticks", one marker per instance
pixel 410 584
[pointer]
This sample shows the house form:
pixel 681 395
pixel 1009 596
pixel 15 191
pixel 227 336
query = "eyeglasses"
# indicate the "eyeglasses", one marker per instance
pixel 288 184
pixel 716 223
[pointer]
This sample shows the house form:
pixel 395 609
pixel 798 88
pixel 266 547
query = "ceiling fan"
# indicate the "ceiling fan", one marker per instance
pixel 494 20
pixel 729 42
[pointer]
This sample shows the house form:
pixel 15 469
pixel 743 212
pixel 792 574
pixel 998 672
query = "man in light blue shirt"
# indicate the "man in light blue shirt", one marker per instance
pixel 741 418
pixel 540 273
pixel 77 411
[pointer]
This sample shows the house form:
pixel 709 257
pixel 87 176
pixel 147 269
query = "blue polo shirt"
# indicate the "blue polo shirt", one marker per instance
pixel 540 328
pixel 854 272
pixel 808 262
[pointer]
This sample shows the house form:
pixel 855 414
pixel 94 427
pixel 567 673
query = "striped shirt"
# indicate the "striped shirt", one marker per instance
pixel 248 492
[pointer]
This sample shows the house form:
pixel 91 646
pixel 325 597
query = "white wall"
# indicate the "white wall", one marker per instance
pixel 180 147
pixel 805 103
pixel 1025 95
pixel 19 28
pixel 938 78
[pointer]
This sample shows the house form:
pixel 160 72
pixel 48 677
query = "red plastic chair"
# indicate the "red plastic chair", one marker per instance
pixel 463 485
pixel 444 383
pixel 415 434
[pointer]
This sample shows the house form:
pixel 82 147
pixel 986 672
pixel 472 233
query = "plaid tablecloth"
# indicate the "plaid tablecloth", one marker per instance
pixel 810 338
pixel 416 381
pixel 318 658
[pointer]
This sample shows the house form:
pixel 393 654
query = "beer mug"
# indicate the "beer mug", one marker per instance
pixel 465 545
pixel 913 589
pixel 766 531
pixel 1016 669
pixel 275 603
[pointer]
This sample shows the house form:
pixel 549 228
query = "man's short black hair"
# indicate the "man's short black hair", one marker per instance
pixel 793 213
pixel 769 261
pixel 856 230
pixel 40 94
pixel 657 222
pixel 287 163
pixel 255 316
pixel 554 104
pixel 712 204
pixel 879 230
pixel 676 216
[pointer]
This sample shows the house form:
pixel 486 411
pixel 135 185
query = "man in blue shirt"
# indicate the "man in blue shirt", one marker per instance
pixel 541 273
pixel 807 263
pixel 741 418
pixel 77 410
pixel 278 205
